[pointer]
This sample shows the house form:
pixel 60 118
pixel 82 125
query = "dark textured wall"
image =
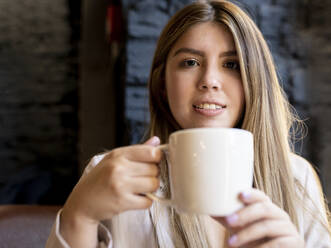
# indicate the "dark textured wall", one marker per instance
pixel 297 33
pixel 100 85
pixel 316 31
pixel 39 87
pixel 38 96
pixel 145 20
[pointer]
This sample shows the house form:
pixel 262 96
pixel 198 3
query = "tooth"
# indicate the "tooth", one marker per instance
pixel 208 106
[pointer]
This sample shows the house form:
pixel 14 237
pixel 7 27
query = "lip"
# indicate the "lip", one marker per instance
pixel 197 103
pixel 209 112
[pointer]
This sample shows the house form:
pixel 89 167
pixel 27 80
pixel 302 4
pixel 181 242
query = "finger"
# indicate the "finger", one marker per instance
pixel 260 230
pixel 252 196
pixel 138 169
pixel 142 185
pixel 256 212
pixel 153 141
pixel 138 153
pixel 139 202
pixel 144 153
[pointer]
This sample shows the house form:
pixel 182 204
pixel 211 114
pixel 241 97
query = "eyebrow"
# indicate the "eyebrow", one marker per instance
pixel 202 54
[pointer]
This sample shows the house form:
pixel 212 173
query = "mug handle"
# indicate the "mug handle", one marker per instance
pixel 153 196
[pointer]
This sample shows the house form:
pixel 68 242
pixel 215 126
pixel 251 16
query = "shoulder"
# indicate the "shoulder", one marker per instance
pixel 312 215
pixel 302 170
pixel 94 162
pixel 308 180
pixel 96 159
pixel 298 163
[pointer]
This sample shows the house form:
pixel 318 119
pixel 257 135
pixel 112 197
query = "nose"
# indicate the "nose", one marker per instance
pixel 210 80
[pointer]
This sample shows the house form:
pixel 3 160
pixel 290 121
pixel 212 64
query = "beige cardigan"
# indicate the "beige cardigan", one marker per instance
pixel 139 229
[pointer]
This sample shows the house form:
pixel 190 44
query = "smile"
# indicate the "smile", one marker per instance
pixel 208 106
pixel 209 109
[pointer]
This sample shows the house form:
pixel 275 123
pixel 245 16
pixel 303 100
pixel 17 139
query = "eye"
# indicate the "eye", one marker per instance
pixel 233 65
pixel 190 63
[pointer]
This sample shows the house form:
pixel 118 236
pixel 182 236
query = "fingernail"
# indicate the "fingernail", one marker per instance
pixel 154 141
pixel 246 195
pixel 232 219
pixel 232 240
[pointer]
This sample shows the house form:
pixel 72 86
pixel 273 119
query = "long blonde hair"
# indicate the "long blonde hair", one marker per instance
pixel 267 115
pixel 267 112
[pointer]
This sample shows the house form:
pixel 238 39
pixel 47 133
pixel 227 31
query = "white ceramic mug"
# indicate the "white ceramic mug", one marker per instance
pixel 208 169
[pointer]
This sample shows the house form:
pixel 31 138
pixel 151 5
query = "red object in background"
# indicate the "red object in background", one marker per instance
pixel 114 22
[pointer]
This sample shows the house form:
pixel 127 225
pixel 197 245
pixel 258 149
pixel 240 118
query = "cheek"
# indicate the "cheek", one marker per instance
pixel 174 95
pixel 240 96
pixel 236 92
pixel 176 89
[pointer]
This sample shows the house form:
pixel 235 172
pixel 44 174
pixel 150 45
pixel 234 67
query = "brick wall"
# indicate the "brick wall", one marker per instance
pixel 38 100
pixel 38 84
pixel 297 32
pixel 145 20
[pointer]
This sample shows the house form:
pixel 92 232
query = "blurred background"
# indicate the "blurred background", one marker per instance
pixel 73 75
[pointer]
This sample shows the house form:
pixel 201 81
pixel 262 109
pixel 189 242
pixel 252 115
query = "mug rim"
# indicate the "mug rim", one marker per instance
pixel 211 129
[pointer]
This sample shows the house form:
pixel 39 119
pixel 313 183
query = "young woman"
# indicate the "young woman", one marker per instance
pixel 212 68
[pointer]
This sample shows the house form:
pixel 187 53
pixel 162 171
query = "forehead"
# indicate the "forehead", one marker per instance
pixel 204 36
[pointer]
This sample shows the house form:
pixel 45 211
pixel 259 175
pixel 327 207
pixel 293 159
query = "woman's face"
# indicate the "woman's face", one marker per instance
pixel 203 81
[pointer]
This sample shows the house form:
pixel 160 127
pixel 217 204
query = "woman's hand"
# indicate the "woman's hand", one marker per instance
pixel 261 224
pixel 117 184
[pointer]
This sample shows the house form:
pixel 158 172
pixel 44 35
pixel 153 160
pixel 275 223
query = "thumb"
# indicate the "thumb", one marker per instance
pixel 153 141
